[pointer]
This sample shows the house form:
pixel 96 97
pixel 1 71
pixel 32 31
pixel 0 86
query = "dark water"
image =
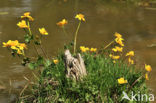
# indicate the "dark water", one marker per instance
pixel 136 24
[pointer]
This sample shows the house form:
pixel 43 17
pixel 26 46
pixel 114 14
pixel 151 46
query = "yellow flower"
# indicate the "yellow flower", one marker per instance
pixel 14 48
pixel 22 24
pixel 11 43
pixel 83 49
pixel 93 49
pixel 7 44
pixel 80 17
pixel 130 53
pixel 62 23
pixel 27 15
pixel 119 41
pixel 146 76
pixel 117 49
pixel 114 61
pixel 14 43
pixel 117 35
pixel 114 57
pixel 148 68
pixel 23 45
pixel 43 31
pixel 55 61
pixel 20 52
pixel 87 49
pixel 130 61
pixel 110 55
pixel 122 81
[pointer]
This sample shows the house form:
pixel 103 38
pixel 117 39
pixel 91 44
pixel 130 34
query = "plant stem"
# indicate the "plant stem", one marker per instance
pixel 44 52
pixel 36 49
pixel 108 44
pixel 75 38
pixel 64 31
pixel 31 35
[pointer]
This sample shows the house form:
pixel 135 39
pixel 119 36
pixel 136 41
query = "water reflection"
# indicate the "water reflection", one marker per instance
pixel 137 25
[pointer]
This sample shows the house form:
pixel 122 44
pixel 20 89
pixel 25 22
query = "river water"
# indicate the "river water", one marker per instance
pixel 136 24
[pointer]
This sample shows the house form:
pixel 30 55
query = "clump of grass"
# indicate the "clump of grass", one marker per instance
pixel 100 84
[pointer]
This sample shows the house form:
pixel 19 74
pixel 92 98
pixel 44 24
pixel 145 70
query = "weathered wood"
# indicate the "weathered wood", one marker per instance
pixel 75 67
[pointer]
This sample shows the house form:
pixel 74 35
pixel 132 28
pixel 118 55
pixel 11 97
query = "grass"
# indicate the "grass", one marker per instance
pixel 100 84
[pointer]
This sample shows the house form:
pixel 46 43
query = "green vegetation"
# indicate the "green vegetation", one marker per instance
pixel 100 84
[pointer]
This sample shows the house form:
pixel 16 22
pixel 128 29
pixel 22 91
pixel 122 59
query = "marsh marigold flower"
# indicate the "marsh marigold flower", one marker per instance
pixel 93 49
pixel 87 49
pixel 122 81
pixel 23 45
pixel 119 41
pixel 114 61
pixel 10 43
pixel 117 35
pixel 14 43
pixel 148 68
pixel 130 61
pixel 55 61
pixel 22 24
pixel 16 46
pixel 43 31
pixel 6 44
pixel 146 76
pixel 80 17
pixel 20 52
pixel 84 49
pixel 130 53
pixel 117 49
pixel 62 23
pixel 27 15
pixel 114 57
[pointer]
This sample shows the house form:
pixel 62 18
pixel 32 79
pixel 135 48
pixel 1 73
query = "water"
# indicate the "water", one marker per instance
pixel 136 24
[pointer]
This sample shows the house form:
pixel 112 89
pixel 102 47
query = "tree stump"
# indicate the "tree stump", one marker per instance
pixel 75 67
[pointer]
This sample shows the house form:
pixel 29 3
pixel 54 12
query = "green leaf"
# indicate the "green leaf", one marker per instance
pixel 32 66
pixel 47 63
pixel 25 61
pixel 28 38
pixel 40 60
pixel 37 42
